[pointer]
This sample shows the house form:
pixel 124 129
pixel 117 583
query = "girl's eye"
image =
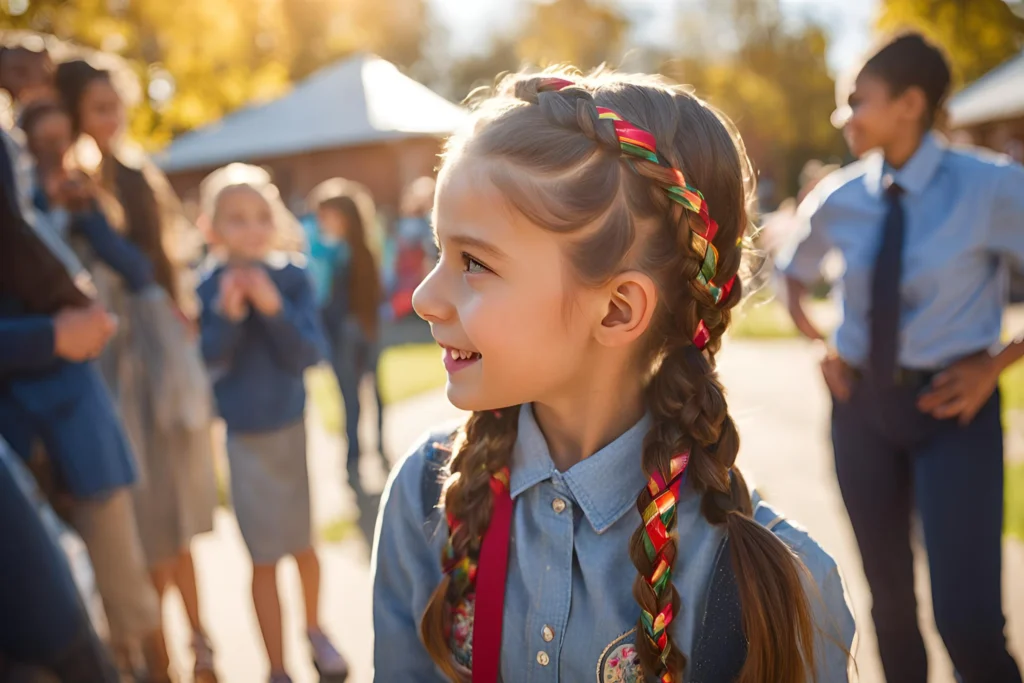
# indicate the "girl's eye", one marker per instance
pixel 473 267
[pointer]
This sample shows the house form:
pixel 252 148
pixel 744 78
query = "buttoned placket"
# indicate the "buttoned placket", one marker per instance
pixel 550 614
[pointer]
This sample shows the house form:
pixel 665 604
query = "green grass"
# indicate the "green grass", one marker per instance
pixel 405 371
pixel 762 319
pixel 1012 383
pixel 338 530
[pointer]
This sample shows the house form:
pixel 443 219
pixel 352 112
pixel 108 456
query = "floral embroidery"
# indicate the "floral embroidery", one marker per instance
pixel 462 632
pixel 620 662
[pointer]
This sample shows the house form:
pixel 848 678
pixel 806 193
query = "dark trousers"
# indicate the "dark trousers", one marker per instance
pixel 892 460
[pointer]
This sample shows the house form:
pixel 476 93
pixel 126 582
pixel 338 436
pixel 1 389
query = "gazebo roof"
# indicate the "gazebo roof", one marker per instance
pixel 359 100
pixel 998 95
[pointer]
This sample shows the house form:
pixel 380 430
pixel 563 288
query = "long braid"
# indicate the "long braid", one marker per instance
pixel 482 449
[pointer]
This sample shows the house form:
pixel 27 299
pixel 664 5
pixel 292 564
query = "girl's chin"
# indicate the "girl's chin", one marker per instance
pixel 470 399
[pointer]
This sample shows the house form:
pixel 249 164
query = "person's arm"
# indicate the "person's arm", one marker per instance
pixel 34 342
pixel 294 328
pixel 800 264
pixel 114 250
pixel 962 390
pixel 405 568
pixel 836 626
pixel 218 333
pixel 26 343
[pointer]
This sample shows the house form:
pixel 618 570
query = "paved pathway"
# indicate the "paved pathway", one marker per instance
pixel 781 408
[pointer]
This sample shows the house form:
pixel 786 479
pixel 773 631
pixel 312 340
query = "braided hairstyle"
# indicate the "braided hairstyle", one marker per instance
pixel 562 166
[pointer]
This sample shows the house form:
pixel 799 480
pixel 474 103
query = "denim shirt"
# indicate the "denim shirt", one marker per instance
pixel 569 615
pixel 964 214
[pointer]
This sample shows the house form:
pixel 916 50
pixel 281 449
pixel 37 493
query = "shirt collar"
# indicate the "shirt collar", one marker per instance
pixel 605 485
pixel 920 169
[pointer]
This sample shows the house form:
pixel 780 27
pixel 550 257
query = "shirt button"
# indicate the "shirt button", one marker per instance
pixel 542 658
pixel 558 505
pixel 547 634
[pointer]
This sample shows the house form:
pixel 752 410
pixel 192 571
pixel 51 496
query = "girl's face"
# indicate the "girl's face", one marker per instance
pixel 503 298
pixel 102 112
pixel 50 140
pixel 243 224
pixel 333 223
pixel 878 117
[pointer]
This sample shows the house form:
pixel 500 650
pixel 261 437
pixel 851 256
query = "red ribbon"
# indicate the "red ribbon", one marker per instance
pixel 489 610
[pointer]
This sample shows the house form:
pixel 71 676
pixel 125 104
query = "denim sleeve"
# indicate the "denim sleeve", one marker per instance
pixel 834 619
pixel 114 250
pixel 801 259
pixel 830 608
pixel 406 568
pixel 295 332
pixel 26 343
pixel 1007 229
pixel 826 594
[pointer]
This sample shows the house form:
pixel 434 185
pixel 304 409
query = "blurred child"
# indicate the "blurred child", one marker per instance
pixel 348 275
pixel 414 250
pixel 260 331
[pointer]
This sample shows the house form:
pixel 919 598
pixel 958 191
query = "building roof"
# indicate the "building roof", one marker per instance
pixel 996 96
pixel 359 100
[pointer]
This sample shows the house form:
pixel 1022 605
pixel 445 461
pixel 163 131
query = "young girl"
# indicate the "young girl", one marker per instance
pixel 153 365
pixel 926 232
pixel 260 332
pixel 351 306
pixel 581 295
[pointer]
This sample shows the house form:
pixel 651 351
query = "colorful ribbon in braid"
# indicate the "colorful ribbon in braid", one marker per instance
pixel 638 143
pixel 463 569
pixel 658 518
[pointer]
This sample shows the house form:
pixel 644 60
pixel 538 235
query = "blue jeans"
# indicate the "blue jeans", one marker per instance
pixel 353 356
pixel 892 460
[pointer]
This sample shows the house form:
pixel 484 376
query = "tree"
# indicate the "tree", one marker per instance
pixel 198 60
pixel 774 85
pixel 578 32
pixel 978 35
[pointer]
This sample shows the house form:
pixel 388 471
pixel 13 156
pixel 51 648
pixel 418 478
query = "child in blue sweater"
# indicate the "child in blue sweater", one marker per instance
pixel 260 331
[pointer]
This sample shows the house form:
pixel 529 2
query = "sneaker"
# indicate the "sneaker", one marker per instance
pixel 329 663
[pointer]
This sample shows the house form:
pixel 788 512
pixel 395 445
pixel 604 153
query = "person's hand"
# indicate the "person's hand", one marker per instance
pixel 837 374
pixel 232 298
pixel 79 334
pixel 262 292
pixel 78 192
pixel 961 390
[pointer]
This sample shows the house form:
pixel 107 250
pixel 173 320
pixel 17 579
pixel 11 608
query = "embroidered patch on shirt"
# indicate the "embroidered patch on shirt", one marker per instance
pixel 620 662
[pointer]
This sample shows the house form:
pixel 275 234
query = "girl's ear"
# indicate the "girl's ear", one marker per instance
pixel 631 301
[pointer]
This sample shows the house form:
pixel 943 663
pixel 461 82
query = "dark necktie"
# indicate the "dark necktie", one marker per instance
pixel 885 290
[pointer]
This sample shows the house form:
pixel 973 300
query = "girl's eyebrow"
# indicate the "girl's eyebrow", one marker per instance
pixel 482 245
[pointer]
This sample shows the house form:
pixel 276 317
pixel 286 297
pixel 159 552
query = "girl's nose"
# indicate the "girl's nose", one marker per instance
pixel 430 300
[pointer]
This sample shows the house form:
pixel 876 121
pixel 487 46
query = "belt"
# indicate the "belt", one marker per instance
pixel 909 378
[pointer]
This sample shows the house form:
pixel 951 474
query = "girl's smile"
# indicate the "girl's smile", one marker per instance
pixel 457 359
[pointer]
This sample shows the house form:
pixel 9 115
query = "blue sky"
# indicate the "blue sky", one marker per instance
pixel 473 22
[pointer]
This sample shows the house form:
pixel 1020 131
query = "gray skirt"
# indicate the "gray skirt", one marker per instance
pixel 270 491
